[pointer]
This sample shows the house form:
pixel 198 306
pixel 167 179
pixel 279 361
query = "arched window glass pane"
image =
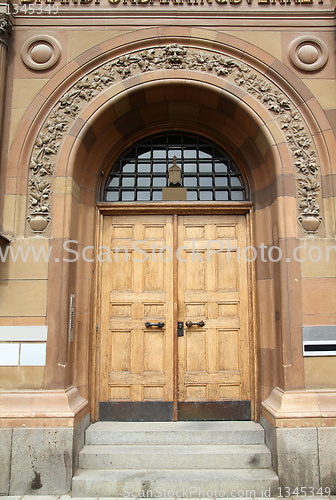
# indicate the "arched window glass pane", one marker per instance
pixel 207 172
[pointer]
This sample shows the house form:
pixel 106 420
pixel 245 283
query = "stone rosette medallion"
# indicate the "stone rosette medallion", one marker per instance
pixel 41 52
pixel 174 56
pixel 308 53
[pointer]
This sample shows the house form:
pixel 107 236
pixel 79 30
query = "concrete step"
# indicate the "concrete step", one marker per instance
pixel 177 433
pixel 174 483
pixel 175 457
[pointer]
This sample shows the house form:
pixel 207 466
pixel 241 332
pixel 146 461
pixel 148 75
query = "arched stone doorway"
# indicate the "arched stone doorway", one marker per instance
pixel 218 96
pixel 222 117
pixel 207 110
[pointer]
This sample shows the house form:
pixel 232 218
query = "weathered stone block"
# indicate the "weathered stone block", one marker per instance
pixel 5 458
pixel 271 440
pixel 298 458
pixel 327 458
pixel 41 461
pixel 79 439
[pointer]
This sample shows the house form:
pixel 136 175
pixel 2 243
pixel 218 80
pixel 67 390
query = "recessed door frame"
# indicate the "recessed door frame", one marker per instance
pixel 175 209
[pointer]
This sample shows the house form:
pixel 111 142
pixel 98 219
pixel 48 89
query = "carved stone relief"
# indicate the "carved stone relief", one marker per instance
pixel 173 57
pixel 5 29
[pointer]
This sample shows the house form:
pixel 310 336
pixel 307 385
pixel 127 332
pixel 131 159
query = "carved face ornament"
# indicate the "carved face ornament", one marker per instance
pixel 175 55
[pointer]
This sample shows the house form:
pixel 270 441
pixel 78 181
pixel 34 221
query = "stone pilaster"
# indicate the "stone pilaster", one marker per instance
pixel 5 31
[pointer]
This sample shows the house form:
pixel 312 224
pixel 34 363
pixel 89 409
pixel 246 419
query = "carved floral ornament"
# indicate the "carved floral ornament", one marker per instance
pixel 174 56
pixel 5 29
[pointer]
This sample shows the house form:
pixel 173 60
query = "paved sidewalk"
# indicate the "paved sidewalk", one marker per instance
pixel 69 497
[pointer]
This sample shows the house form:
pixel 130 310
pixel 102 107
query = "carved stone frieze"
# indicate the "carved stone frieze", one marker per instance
pixel 173 57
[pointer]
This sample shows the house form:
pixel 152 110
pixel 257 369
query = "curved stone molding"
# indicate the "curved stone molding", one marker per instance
pixel 172 57
pixel 5 29
pixel 308 53
pixel 41 52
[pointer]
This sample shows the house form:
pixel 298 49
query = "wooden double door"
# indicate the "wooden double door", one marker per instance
pixel 175 337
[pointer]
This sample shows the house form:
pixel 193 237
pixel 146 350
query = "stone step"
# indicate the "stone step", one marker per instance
pixel 177 433
pixel 174 457
pixel 174 483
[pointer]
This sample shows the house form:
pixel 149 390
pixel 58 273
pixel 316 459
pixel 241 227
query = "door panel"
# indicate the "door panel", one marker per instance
pixel 213 359
pixel 136 363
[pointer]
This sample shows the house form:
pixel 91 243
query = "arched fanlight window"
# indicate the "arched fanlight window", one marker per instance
pixel 207 172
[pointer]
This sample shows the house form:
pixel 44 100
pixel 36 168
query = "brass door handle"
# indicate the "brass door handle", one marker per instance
pixel 197 323
pixel 160 324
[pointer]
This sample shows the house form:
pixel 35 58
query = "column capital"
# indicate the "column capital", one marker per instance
pixel 5 28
